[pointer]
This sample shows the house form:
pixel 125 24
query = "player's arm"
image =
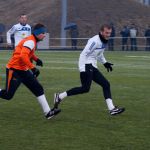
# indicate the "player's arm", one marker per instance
pixel 37 60
pixel 9 33
pixel 101 58
pixel 26 58
pixel 106 64
pixel 34 57
pixel 28 46
pixel 90 47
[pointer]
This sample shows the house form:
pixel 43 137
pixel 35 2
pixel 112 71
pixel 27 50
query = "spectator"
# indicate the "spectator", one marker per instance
pixel 74 35
pixel 111 39
pixel 125 34
pixel 1 38
pixel 147 35
pixel 133 35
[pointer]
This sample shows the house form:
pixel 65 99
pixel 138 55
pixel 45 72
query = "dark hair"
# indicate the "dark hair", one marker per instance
pixel 108 26
pixel 38 25
pixel 23 14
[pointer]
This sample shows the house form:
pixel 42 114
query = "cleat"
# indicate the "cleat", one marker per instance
pixel 116 111
pixel 53 112
pixel 57 100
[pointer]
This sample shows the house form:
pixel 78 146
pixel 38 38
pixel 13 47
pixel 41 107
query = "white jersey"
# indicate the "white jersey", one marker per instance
pixel 133 33
pixel 20 32
pixel 92 52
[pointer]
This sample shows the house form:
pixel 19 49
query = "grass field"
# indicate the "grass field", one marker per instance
pixel 84 123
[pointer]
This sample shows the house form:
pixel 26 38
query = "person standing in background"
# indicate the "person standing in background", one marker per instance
pixel 74 35
pixel 133 35
pixel 111 39
pixel 18 31
pixel 125 34
pixel 147 36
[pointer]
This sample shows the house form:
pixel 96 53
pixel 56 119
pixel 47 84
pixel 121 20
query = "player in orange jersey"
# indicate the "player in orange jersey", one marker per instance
pixel 20 69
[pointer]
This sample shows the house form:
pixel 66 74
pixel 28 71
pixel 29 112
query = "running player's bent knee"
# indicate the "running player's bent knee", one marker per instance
pixel 85 89
pixel 6 95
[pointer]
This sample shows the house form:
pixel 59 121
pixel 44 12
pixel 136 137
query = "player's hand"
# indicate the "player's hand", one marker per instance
pixel 108 66
pixel 35 72
pixel 39 62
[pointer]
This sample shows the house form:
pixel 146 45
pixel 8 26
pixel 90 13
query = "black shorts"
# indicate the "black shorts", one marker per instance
pixel 13 80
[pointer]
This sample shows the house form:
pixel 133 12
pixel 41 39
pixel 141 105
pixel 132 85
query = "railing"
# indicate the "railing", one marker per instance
pixel 115 43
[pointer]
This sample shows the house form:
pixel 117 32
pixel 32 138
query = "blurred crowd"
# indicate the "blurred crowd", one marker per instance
pixel 129 35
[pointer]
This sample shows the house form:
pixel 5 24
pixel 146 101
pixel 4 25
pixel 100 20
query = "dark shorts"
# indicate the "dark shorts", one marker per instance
pixel 13 80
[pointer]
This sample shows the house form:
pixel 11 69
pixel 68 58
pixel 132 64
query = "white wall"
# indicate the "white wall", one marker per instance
pixel 45 43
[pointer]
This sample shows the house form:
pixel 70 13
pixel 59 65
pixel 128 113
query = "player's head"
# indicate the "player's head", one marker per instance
pixel 105 31
pixel 39 31
pixel 23 19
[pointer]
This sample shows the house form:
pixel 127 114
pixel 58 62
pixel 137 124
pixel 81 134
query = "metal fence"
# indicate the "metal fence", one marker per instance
pixel 114 44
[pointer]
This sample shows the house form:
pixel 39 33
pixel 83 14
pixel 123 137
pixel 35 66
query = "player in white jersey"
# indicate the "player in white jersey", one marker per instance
pixel 20 31
pixel 89 72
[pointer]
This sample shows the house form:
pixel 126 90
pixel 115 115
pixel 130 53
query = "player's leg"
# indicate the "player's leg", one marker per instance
pixel 86 80
pixel 101 80
pixel 36 88
pixel 12 83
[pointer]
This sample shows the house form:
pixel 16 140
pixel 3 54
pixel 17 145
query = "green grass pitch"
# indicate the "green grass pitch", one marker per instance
pixel 84 123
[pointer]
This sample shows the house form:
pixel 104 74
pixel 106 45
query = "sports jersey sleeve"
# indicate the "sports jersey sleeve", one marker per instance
pixel 89 48
pixel 101 58
pixel 29 44
pixel 27 48
pixel 34 57
pixel 9 33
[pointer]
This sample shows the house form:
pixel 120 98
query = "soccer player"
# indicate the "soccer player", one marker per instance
pixel 20 31
pixel 89 72
pixel 19 70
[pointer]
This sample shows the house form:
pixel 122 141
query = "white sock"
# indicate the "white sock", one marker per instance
pixel 62 95
pixel 44 104
pixel 0 89
pixel 110 104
